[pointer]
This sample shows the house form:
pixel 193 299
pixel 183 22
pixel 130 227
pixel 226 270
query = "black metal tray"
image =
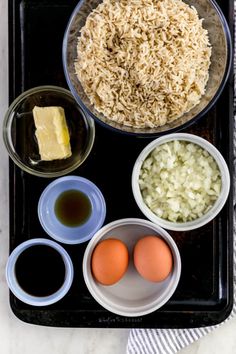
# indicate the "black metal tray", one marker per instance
pixel 205 293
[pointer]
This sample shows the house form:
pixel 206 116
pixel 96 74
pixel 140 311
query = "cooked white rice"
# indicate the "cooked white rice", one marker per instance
pixel 143 63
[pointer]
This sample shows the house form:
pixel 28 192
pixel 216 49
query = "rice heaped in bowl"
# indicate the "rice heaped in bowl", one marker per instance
pixel 143 63
pixel 118 88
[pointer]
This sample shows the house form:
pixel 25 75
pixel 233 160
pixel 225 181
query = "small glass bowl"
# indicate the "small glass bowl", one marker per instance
pixel 211 213
pixel 71 234
pixel 19 131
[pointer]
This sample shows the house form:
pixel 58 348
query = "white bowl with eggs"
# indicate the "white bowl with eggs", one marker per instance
pixel 130 293
pixel 180 181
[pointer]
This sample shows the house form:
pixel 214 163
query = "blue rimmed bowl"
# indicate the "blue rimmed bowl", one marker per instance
pixel 16 288
pixel 71 234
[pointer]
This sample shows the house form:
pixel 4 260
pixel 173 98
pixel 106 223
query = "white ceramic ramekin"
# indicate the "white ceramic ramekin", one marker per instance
pixel 216 208
pixel 132 296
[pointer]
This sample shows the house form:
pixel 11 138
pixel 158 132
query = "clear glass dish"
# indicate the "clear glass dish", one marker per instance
pixel 19 131
pixel 220 39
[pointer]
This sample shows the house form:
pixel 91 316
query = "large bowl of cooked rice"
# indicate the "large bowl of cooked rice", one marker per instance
pixel 147 67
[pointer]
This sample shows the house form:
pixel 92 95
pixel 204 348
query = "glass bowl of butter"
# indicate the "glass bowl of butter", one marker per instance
pixel 46 133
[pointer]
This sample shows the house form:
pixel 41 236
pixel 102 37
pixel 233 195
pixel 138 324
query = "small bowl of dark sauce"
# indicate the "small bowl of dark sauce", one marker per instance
pixel 39 272
pixel 71 209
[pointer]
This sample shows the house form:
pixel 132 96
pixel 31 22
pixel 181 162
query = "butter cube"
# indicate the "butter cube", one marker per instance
pixel 52 133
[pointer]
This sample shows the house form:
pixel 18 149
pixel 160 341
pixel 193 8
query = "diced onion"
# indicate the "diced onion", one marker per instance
pixel 180 181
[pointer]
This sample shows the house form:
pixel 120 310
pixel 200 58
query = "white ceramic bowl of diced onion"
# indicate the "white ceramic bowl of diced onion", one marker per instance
pixel 180 181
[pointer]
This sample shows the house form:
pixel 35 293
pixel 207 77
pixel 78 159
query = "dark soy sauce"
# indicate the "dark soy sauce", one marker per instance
pixel 73 208
pixel 40 270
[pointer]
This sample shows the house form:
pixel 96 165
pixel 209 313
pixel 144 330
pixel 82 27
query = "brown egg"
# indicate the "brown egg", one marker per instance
pixel 110 261
pixel 153 258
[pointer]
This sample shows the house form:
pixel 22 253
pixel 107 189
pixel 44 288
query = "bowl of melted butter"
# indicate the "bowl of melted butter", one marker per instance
pixel 46 133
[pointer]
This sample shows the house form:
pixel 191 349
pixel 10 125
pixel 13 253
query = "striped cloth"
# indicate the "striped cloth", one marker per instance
pixel 170 341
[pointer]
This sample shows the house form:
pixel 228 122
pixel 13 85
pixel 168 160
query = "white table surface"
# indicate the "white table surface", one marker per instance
pixel 17 337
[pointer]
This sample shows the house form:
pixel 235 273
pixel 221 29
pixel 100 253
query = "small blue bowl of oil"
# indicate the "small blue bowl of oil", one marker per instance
pixel 71 209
